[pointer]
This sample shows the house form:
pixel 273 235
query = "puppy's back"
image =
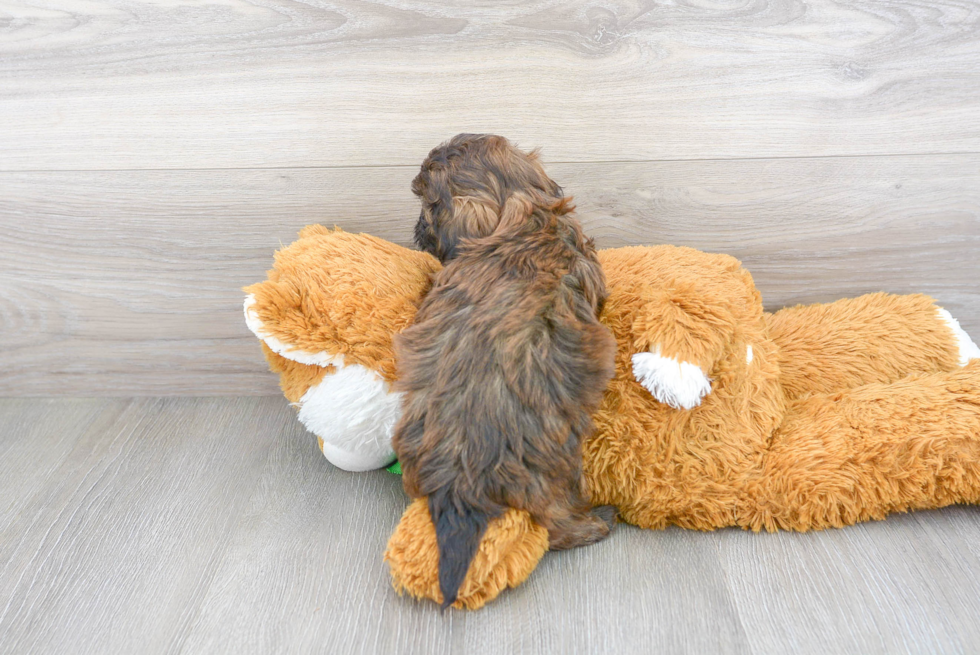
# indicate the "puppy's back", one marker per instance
pixel 502 369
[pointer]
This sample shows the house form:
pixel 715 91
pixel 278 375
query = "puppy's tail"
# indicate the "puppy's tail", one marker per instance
pixel 459 528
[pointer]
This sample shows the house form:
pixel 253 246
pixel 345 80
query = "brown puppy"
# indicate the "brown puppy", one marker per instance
pixel 506 360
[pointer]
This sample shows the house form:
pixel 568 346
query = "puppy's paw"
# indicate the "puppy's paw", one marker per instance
pixel 679 384
pixel 582 528
pixel 607 514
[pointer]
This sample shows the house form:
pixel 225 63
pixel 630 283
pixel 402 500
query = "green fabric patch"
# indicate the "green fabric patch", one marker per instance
pixel 396 468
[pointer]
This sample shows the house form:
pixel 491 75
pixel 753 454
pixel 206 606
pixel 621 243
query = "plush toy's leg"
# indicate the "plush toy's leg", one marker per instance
pixel 509 551
pixel 878 337
pixel 862 453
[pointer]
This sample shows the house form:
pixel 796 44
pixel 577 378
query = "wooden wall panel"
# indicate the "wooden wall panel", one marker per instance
pixel 99 84
pixel 128 282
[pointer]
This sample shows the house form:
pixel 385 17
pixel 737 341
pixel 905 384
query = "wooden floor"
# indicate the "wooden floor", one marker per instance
pixel 154 154
pixel 214 525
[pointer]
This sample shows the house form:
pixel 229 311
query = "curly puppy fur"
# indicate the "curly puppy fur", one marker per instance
pixel 506 360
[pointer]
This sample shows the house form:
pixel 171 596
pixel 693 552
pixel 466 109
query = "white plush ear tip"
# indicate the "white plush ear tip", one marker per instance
pixel 967 348
pixel 681 385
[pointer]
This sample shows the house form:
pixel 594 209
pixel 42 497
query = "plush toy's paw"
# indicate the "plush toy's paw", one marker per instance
pixel 679 384
pixel 968 349
pixel 510 549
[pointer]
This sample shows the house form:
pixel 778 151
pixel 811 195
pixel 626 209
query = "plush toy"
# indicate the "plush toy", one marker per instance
pixel 326 317
pixel 720 414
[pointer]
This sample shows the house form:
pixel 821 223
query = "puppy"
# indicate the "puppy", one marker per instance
pixel 506 360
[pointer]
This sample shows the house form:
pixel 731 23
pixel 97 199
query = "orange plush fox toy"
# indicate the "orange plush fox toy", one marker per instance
pixel 719 414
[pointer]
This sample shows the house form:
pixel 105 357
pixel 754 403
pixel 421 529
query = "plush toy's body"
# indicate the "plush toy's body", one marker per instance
pixel 719 414
pixel 792 434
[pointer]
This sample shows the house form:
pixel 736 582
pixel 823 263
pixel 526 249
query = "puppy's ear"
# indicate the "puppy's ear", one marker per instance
pixel 475 217
pixel 432 187
pixel 515 211
pixel 588 278
pixel 437 196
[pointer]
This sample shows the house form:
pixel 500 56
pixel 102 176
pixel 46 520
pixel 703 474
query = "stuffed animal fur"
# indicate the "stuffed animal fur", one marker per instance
pixel 720 414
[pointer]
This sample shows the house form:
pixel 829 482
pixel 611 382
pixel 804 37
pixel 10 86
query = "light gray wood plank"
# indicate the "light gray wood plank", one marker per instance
pixel 214 525
pixel 639 591
pixel 962 535
pixel 896 586
pixel 117 549
pixel 128 282
pixel 304 572
pixel 99 84
pixel 952 552
pixel 36 437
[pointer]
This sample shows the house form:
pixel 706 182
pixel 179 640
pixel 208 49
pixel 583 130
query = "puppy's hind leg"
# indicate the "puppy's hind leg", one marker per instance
pixel 574 524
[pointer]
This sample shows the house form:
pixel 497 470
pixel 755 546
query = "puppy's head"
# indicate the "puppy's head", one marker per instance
pixel 464 185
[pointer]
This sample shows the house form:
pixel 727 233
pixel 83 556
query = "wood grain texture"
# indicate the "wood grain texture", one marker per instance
pixel 851 587
pixel 112 551
pixel 37 436
pixel 304 571
pixel 152 156
pixel 128 282
pixel 97 84
pixel 215 526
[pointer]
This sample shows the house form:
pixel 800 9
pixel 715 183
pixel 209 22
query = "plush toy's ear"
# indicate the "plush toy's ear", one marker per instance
pixel 265 313
pixel 510 549
pixel 338 298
